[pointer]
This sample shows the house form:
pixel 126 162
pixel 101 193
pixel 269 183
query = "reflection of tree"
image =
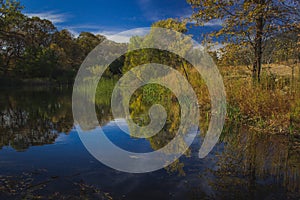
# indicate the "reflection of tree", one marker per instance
pixel 29 118
pixel 141 102
pixel 252 159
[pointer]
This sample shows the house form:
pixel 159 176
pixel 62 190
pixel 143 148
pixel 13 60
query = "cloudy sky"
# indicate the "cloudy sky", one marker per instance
pixel 106 17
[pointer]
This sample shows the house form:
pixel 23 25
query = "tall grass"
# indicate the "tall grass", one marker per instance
pixel 103 92
pixel 272 106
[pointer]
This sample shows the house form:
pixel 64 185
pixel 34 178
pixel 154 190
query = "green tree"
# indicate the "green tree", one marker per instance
pixel 72 57
pixel 236 55
pixel 88 41
pixel 39 32
pixel 248 22
pixel 38 59
pixel 174 24
pixel 11 34
pixel 144 56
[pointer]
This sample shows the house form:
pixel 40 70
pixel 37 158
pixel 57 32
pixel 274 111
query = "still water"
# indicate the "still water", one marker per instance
pixel 42 157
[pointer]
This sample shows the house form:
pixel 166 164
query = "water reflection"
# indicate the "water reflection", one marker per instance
pixel 31 118
pixel 36 117
pixel 245 164
pixel 252 159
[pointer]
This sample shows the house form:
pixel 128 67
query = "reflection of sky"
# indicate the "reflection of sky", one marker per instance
pixel 123 140
pixel 67 149
pixel 68 157
pixel 114 132
pixel 68 160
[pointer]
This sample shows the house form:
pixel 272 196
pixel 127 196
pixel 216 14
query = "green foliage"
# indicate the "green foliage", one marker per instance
pixel 40 62
pixel 153 93
pixel 146 55
pixel 33 48
pixel 87 41
pixel 104 91
pixel 11 37
pixel 235 55
pixel 176 25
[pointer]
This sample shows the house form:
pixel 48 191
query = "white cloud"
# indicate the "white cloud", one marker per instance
pixel 215 22
pixel 123 37
pixel 111 33
pixel 217 46
pixel 77 29
pixel 84 26
pixel 74 32
pixel 50 15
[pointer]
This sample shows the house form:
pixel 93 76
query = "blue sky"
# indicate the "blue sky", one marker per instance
pixel 106 17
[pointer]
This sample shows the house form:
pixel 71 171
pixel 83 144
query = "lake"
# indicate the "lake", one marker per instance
pixel 42 157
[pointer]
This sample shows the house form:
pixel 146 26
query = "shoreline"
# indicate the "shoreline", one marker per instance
pixel 36 82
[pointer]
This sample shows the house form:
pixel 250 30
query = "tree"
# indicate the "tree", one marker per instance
pixel 71 52
pixel 11 34
pixel 39 32
pixel 37 59
pixel 179 26
pixel 144 56
pixel 235 55
pixel 88 41
pixel 281 48
pixel 249 22
pixel 39 62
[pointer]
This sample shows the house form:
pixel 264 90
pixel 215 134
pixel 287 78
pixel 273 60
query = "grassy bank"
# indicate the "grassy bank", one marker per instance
pixel 271 106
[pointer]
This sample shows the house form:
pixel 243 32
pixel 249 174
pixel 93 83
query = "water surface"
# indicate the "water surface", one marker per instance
pixel 41 156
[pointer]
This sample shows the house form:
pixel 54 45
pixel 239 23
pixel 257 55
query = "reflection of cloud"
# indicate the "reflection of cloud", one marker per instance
pixel 50 15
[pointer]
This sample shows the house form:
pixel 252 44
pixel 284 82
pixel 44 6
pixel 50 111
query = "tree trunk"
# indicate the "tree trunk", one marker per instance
pixel 258 50
pixel 254 70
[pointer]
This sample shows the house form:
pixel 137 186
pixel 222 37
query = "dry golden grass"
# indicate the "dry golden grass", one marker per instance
pixel 272 106
pixel 271 69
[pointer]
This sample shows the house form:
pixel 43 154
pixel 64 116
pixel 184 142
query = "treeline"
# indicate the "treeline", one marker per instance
pixel 34 48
